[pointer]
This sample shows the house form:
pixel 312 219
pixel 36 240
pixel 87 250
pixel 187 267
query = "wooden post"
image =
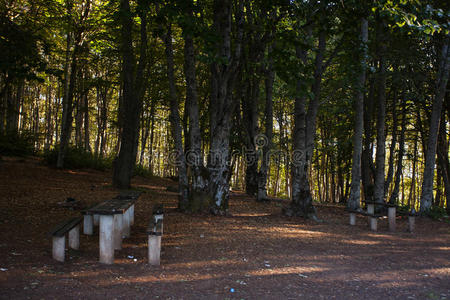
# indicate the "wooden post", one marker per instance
pixel 373 223
pixel 154 249
pixel 74 237
pixel 352 218
pixel 391 217
pixel 411 223
pixel 106 239
pixel 118 228
pixel 88 224
pixel 59 247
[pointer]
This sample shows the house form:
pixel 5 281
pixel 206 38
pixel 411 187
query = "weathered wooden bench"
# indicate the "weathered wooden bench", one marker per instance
pixel 155 232
pixel 71 226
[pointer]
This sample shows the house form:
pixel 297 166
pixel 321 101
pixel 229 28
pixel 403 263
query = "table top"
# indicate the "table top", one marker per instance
pixel 111 207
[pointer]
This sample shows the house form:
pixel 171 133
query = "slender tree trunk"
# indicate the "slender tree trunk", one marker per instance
pixel 443 159
pixel 394 196
pixel 390 172
pixel 355 192
pixel 70 82
pixel 426 198
pixel 263 173
pixel 380 159
pixel 367 166
pixel 412 192
pixel 175 120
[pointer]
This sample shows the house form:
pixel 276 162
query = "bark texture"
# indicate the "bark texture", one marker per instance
pixel 355 192
pixel 426 198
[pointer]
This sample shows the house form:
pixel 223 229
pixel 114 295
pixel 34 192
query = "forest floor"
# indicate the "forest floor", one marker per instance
pixel 254 253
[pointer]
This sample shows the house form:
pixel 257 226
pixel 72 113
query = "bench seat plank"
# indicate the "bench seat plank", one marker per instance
pixel 62 228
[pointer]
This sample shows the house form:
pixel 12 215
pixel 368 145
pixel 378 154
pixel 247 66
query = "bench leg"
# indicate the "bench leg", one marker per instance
pixel 74 238
pixel 88 225
pixel 154 250
pixel 96 220
pixel 126 224
pixel 370 210
pixel 373 224
pixel 352 219
pixel 156 218
pixel 106 239
pixel 59 246
pixel 391 216
pixel 131 209
pixel 118 228
pixel 411 223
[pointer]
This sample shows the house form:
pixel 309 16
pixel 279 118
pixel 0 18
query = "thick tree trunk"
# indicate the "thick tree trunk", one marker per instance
pixel 223 75
pixel 426 198
pixel 133 90
pixel 301 200
pixel 380 159
pixel 355 192
pixel 313 107
pixel 175 121
pixel 194 156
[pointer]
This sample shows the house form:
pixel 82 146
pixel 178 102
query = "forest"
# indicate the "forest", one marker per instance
pixel 314 101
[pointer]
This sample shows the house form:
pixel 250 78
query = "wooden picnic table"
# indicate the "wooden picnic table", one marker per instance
pixel 115 219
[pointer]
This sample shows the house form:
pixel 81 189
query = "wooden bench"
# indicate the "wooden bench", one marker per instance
pixel 155 232
pixel 71 226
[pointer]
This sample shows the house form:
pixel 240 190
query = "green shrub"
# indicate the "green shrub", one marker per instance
pixel 437 213
pixel 142 171
pixel 78 158
pixel 13 144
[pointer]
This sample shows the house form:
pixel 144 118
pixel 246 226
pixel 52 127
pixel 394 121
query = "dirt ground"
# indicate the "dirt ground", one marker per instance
pixel 255 253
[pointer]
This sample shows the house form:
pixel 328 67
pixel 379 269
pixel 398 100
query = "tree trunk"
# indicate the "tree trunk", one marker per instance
pixel 390 172
pixel 70 82
pixel 367 166
pixel 355 192
pixel 267 146
pixel 380 159
pixel 194 156
pixel 426 198
pixel 132 93
pixel 175 120
pixel 443 159
pixel 394 196
pixel 223 75
pixel 301 200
